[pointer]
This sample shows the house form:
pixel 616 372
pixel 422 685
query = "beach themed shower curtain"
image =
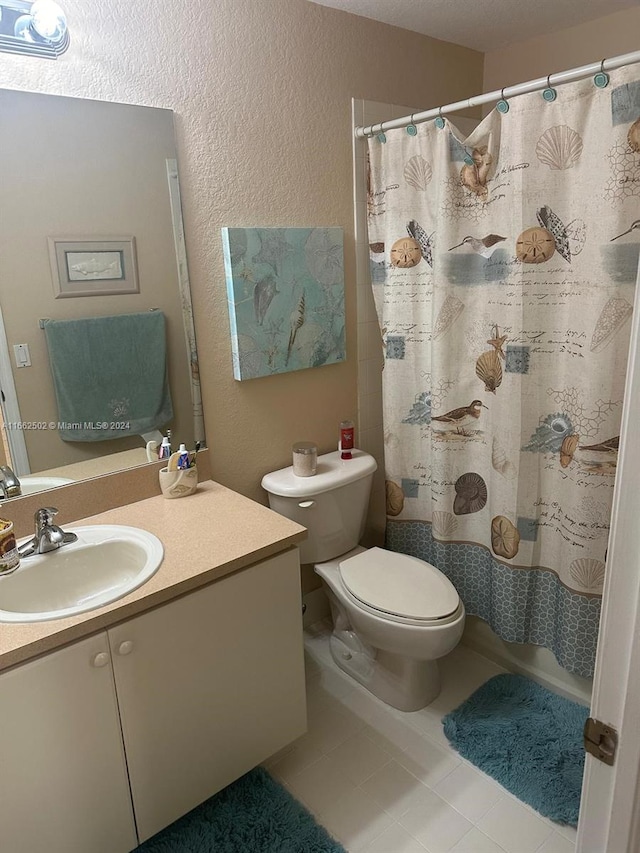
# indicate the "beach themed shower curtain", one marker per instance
pixel 503 268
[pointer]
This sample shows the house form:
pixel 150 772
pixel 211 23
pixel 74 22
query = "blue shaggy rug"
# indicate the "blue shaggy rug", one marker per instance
pixel 528 738
pixel 253 815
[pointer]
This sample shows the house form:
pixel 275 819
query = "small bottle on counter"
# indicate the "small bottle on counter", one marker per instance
pixel 305 458
pixel 164 451
pixel 347 439
pixel 183 458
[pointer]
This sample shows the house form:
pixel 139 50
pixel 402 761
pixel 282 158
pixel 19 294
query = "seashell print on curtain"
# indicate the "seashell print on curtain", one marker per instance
pixel 503 271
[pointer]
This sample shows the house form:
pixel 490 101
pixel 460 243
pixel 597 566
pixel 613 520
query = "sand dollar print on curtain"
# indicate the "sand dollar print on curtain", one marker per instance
pixel 503 269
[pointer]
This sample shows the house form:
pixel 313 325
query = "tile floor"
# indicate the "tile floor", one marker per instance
pixel 384 781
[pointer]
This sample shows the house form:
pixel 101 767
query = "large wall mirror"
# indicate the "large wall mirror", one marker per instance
pixel 89 195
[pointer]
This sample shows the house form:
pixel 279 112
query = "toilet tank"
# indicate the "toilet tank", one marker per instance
pixel 332 504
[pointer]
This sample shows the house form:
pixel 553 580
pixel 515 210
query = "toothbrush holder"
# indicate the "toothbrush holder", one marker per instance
pixel 178 484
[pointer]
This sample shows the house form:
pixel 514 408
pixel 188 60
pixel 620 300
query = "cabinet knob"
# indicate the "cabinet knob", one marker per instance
pixel 101 659
pixel 125 648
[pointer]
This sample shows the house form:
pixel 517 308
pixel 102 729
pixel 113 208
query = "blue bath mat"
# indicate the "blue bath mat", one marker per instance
pixel 253 815
pixel 528 738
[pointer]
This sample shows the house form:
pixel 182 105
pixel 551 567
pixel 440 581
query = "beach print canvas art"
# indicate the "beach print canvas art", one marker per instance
pixel 285 288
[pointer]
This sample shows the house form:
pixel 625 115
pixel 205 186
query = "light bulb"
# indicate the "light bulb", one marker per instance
pixel 48 20
pixel 22 28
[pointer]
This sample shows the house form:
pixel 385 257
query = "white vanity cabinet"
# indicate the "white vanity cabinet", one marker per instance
pixel 63 776
pixel 206 687
pixel 209 686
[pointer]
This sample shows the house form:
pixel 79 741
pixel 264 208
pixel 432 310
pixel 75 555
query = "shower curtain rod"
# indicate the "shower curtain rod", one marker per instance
pixel 507 92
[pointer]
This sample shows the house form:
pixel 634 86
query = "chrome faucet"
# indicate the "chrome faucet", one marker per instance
pixel 48 536
pixel 9 483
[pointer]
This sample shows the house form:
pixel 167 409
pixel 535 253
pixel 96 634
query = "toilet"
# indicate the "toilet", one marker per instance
pixel 393 615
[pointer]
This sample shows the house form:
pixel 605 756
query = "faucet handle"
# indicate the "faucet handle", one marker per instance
pixel 44 515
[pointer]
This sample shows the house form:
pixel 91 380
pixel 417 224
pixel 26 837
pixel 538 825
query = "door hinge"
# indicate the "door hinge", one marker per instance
pixel 600 740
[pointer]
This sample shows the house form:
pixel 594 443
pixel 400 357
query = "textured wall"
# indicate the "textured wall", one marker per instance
pixel 563 49
pixel 262 94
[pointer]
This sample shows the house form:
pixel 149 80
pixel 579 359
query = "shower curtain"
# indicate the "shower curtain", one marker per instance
pixel 503 268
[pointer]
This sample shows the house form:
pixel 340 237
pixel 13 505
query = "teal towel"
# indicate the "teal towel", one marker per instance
pixel 109 375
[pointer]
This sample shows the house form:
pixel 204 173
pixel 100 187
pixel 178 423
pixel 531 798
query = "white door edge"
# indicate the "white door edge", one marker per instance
pixel 610 811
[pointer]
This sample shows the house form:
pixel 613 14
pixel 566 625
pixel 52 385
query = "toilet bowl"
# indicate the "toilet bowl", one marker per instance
pixel 393 615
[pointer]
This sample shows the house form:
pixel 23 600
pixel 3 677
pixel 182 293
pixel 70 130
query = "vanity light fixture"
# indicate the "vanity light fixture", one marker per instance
pixel 33 27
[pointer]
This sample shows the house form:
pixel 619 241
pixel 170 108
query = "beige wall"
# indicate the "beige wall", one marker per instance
pixel 605 37
pixel 262 94
pixel 84 168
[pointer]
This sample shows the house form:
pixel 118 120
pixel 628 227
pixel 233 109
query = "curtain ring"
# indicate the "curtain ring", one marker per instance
pixel 549 94
pixel 503 105
pixel 381 136
pixel 440 121
pixel 412 130
pixel 601 79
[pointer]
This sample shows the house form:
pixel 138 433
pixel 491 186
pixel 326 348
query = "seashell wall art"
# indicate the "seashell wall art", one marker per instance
pixel 285 290
pixel 559 147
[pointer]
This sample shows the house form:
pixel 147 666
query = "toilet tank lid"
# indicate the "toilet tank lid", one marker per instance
pixel 332 472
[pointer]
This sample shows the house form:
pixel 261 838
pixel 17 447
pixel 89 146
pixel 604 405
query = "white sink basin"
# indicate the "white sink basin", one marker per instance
pixel 107 562
pixel 29 484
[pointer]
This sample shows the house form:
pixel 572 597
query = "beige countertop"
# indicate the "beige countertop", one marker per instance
pixel 99 465
pixel 206 535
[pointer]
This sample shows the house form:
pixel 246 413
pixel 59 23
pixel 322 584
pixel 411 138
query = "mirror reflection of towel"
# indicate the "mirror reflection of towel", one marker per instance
pixel 109 375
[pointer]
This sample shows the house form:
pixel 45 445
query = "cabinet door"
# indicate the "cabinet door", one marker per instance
pixel 209 686
pixel 63 778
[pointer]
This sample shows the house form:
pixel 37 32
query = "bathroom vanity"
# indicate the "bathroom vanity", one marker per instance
pixel 118 721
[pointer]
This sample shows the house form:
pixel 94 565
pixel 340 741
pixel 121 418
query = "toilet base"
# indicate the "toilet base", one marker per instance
pixel 405 684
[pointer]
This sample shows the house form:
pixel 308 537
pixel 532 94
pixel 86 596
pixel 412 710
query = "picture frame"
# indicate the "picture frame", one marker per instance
pixel 93 266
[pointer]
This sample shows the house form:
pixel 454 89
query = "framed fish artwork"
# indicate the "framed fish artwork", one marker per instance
pixel 93 266
pixel 285 288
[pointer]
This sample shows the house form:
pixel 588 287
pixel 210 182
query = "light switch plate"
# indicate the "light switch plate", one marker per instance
pixel 22 355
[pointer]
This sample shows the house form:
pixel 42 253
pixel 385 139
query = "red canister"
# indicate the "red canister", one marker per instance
pixel 347 432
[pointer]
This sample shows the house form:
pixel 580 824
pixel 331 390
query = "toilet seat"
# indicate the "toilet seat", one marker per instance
pixel 400 586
